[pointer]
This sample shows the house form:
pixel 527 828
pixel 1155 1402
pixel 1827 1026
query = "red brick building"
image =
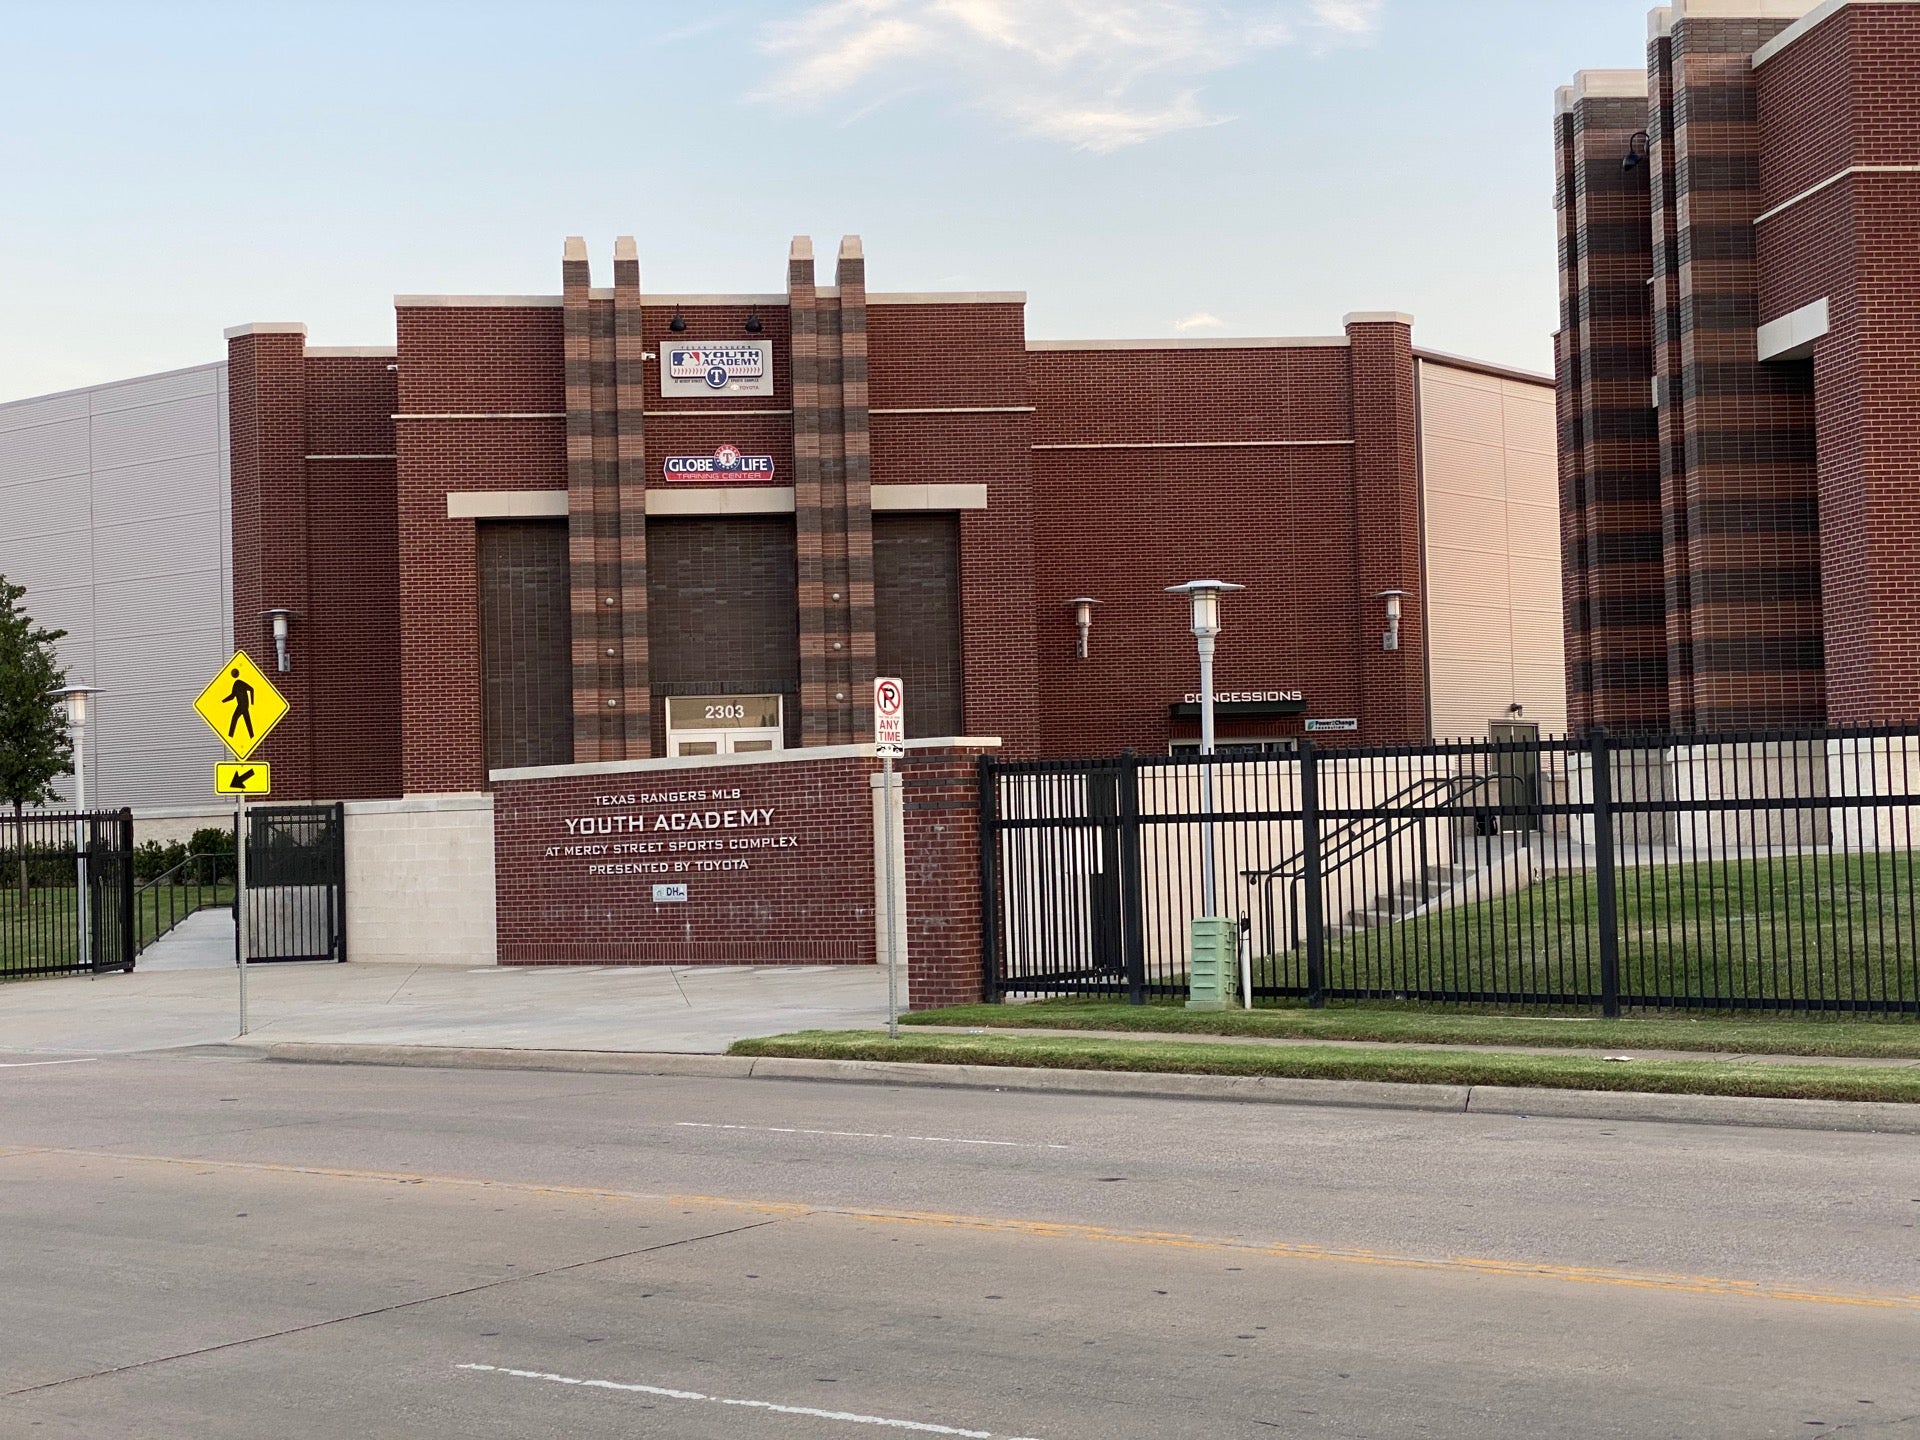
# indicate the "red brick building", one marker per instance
pixel 605 525
pixel 1739 369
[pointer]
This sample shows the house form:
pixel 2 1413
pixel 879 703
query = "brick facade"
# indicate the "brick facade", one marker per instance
pixel 1009 477
pixel 1781 172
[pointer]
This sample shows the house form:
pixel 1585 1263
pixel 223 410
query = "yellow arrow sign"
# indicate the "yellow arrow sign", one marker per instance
pixel 241 706
pixel 245 777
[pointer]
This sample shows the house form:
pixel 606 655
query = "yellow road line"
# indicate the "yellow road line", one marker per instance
pixel 1066 1230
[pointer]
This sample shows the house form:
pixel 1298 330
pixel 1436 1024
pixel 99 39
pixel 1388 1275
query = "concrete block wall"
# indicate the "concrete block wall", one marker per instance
pixel 420 880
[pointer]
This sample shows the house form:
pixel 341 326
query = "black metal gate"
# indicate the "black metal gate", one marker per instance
pixel 296 882
pixel 66 893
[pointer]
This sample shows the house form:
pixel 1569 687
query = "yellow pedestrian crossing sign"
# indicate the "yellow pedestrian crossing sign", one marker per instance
pixel 243 777
pixel 241 706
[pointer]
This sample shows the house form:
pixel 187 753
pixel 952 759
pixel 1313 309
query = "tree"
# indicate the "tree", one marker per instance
pixel 35 748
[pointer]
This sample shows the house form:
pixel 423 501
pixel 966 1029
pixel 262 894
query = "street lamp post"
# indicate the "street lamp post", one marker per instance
pixel 74 698
pixel 1204 596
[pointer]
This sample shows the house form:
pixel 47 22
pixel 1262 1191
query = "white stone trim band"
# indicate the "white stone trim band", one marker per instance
pixel 485 415
pixel 720 500
pixel 711 762
pixel 952 410
pixel 353 457
pixel 1835 179
pixel 1297 342
pixel 266 327
pixel 1187 444
pixel 1791 337
pixel 929 497
pixel 352 352
pixel 505 504
pixel 1805 24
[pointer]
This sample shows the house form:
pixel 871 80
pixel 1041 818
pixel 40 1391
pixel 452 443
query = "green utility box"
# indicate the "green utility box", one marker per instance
pixel 1213 963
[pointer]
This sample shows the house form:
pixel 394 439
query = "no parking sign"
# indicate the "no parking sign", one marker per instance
pixel 889 716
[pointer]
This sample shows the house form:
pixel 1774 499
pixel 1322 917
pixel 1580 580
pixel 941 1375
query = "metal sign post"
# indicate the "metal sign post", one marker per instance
pixel 889 742
pixel 241 707
pixel 240 898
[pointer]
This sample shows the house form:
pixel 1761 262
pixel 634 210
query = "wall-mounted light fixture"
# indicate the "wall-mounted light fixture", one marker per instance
pixel 1516 709
pixel 754 327
pixel 678 324
pixel 283 661
pixel 1083 618
pixel 1638 149
pixel 1391 639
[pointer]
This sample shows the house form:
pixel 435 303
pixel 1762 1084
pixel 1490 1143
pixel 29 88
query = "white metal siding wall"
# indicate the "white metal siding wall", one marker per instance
pixel 1490 478
pixel 114 513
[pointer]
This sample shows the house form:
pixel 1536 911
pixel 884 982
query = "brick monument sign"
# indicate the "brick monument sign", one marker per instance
pixel 740 859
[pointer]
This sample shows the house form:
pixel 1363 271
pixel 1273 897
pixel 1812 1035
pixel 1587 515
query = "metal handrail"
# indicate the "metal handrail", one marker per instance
pixel 205 893
pixel 1392 816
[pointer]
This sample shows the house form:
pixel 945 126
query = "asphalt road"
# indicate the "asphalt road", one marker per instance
pixel 217 1247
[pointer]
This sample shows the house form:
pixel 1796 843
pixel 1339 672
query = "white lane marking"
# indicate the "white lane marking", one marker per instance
pixel 845 1416
pixel 869 1135
pixel 29 1064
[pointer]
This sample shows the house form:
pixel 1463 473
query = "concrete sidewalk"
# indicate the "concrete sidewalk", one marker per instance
pixel 690 1010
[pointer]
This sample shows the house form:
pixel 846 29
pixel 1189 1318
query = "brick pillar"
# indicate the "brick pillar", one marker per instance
pixel 605 481
pixel 267 414
pixel 1669 372
pixel 1386 441
pixel 1610 442
pixel 630 461
pixel 1753 539
pixel 833 524
pixel 1569 379
pixel 941 822
pixel 855 673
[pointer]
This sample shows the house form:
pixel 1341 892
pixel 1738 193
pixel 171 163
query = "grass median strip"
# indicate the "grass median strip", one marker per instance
pixel 1871 1038
pixel 1811 1081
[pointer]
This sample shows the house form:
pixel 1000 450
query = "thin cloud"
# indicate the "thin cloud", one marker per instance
pixel 1200 320
pixel 1098 75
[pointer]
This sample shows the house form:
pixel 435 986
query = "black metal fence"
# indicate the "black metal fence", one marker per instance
pixel 1763 871
pixel 66 893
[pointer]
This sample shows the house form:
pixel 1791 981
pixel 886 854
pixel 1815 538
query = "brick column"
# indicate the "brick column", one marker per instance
pixel 630 462
pixel 833 520
pixel 593 630
pixel 940 797
pixel 267 412
pixel 1386 443
pixel 1610 441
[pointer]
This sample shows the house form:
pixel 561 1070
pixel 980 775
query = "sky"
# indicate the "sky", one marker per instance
pixel 1141 168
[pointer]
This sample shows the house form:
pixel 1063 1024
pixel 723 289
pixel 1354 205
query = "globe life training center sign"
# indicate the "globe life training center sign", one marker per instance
pixel 733 367
pixel 726 463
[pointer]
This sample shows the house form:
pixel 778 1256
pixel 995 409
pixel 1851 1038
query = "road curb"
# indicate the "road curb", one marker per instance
pixel 1852 1115
pixel 469 1057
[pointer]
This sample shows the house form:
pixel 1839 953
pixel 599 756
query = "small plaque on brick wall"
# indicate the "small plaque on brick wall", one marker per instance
pixel 669 894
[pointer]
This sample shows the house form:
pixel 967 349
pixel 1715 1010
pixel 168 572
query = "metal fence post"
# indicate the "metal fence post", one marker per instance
pixel 340 880
pixel 1310 875
pixel 989 880
pixel 129 930
pixel 1600 748
pixel 1133 929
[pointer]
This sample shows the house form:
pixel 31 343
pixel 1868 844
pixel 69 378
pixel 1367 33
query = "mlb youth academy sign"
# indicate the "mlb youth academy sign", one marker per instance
pixel 726 463
pixel 734 367
pixel 716 864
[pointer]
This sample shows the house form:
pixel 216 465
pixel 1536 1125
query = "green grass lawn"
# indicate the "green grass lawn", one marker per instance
pixel 44 935
pixel 1809 1081
pixel 1788 927
pixel 1894 1038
